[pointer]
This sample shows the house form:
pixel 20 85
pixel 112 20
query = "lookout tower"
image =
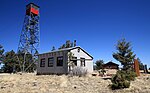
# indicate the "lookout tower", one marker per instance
pixel 29 38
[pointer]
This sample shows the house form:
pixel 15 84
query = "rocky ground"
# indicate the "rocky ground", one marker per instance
pixel 31 83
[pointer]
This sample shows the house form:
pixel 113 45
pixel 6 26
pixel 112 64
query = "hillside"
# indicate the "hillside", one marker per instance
pixel 30 83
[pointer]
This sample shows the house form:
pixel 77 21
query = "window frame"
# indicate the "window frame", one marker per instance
pixel 42 62
pixel 58 65
pixel 52 62
pixel 82 60
pixel 74 59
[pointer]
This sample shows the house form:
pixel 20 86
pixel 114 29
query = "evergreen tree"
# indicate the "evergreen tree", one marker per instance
pixel 99 64
pixel 141 65
pixel 68 44
pixel 53 48
pixel 10 62
pixel 124 54
pixel 63 46
pixel 26 62
pixel 15 62
pixel 1 53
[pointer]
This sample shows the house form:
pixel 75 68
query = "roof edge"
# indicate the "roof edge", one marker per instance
pixel 67 49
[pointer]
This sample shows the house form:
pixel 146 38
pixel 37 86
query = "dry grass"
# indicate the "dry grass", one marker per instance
pixel 30 83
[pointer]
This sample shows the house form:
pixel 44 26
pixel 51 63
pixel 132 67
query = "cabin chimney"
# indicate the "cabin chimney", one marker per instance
pixel 74 43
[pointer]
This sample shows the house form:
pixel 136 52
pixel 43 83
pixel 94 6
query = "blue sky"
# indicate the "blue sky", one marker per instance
pixel 97 25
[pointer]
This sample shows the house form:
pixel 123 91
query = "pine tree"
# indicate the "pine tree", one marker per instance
pixel 53 48
pixel 1 53
pixel 10 62
pixel 141 65
pixel 26 62
pixel 99 64
pixel 124 54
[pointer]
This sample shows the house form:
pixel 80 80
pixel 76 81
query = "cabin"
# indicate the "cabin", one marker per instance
pixel 56 62
pixel 111 65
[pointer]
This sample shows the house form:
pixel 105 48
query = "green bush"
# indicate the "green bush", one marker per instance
pixel 121 85
pixel 126 84
pixel 130 75
pixel 122 79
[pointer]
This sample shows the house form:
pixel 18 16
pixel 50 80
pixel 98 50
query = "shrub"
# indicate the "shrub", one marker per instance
pixel 126 84
pixel 102 71
pixel 120 81
pixel 79 71
pixel 130 75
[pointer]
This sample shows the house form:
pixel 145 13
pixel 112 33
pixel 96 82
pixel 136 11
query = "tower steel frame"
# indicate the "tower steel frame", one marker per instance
pixel 30 37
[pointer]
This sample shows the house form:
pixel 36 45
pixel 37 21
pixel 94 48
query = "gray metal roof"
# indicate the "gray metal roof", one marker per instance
pixel 59 50
pixel 67 49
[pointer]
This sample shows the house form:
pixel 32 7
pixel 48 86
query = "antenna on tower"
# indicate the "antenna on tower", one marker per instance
pixel 29 38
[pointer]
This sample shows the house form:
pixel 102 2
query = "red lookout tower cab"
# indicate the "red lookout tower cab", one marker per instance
pixel 32 8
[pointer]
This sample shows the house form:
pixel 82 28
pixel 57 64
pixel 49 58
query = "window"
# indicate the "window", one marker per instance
pixel 60 61
pixel 74 59
pixel 83 62
pixel 42 63
pixel 75 63
pixel 50 62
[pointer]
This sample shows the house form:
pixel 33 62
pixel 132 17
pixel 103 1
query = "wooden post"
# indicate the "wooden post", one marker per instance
pixel 145 69
pixel 136 67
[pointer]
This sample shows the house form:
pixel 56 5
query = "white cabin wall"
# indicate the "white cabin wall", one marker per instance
pixel 89 65
pixel 80 54
pixel 88 59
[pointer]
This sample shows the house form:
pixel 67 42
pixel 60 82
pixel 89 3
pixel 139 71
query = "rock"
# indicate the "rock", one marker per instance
pixel 19 73
pixel 74 87
pixel 34 84
pixel 2 87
